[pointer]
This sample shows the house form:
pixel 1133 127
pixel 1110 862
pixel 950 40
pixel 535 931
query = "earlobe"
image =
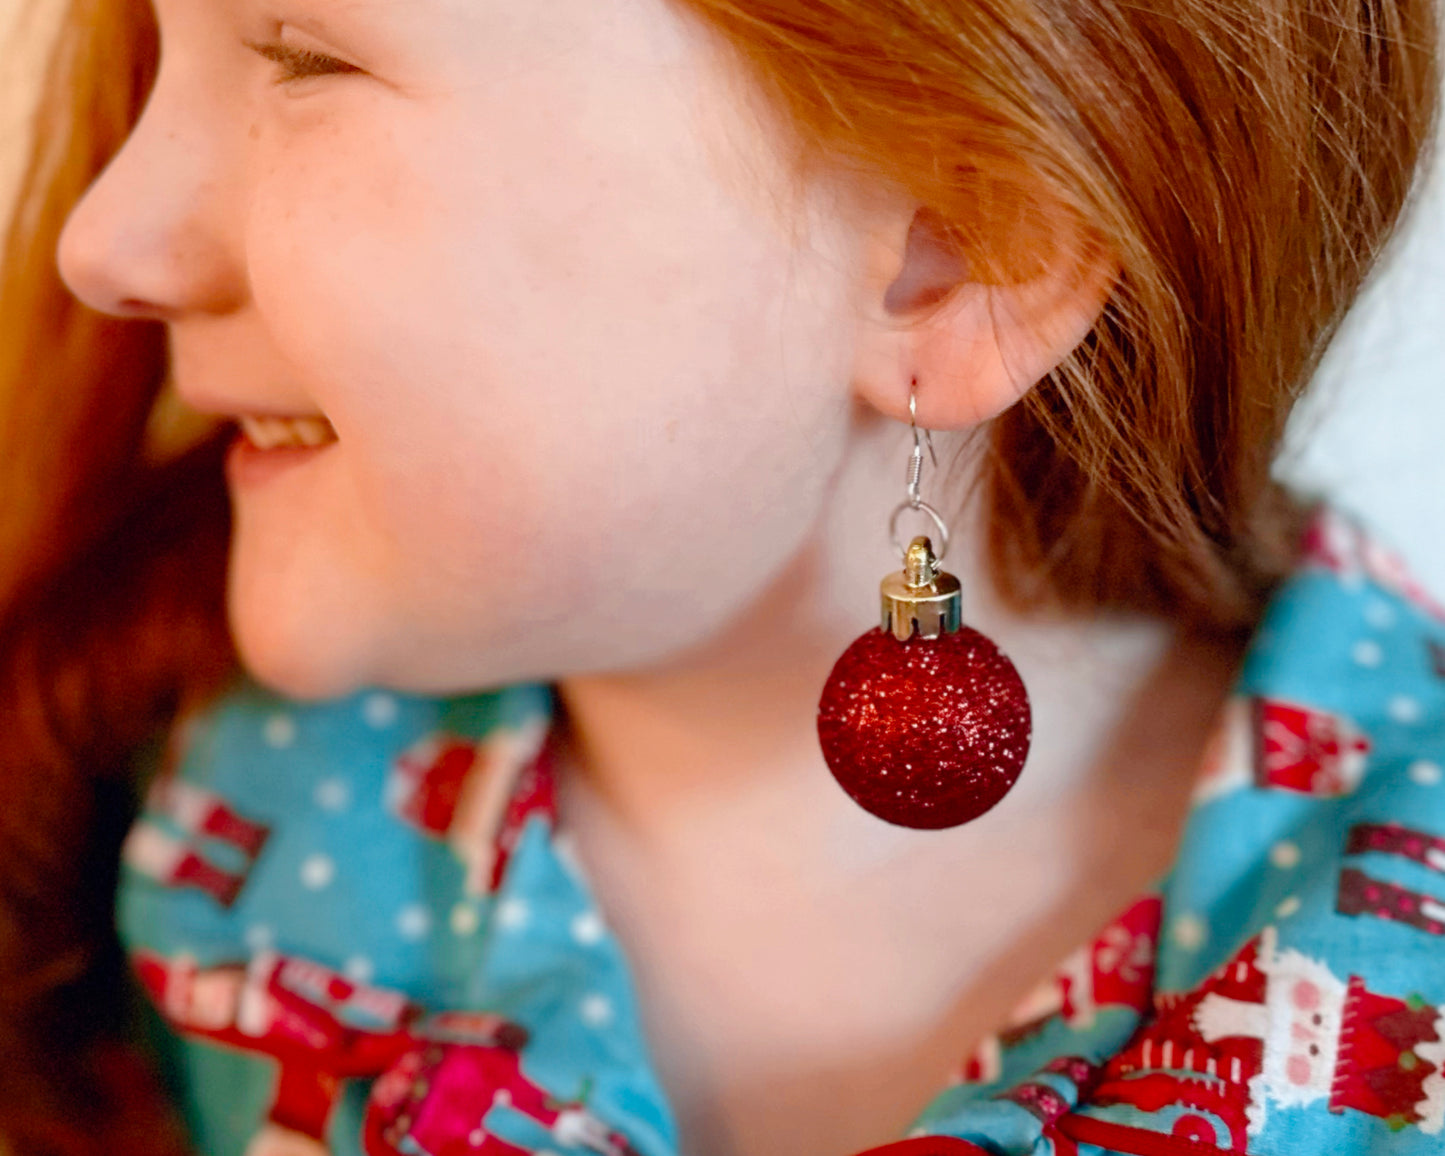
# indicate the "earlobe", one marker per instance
pixel 974 347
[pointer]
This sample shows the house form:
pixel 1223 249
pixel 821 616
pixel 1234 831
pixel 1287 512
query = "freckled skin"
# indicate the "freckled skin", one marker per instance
pixel 534 264
pixel 606 416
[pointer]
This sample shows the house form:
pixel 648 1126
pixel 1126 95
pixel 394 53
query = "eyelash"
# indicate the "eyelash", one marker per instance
pixel 299 63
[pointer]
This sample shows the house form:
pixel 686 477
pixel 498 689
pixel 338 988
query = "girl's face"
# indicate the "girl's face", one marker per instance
pixel 536 264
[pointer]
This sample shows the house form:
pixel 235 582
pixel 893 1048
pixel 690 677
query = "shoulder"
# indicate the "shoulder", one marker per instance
pixel 1312 871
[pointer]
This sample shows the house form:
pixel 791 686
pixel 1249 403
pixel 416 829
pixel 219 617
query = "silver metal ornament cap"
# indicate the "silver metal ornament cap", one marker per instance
pixel 921 598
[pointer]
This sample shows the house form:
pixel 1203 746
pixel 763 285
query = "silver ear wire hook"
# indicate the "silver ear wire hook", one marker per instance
pixel 915 472
pixel 915 460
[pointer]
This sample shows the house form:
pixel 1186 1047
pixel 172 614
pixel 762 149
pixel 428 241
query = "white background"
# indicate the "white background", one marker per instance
pixel 1371 435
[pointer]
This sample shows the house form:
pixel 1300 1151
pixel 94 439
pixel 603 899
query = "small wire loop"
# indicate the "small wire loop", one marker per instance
pixel 937 521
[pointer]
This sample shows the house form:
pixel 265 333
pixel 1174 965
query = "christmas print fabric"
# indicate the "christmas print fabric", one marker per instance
pixel 362 930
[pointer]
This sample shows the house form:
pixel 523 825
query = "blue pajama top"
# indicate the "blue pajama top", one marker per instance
pixel 362 931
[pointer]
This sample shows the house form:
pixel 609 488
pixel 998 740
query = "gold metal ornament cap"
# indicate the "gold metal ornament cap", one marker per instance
pixel 920 598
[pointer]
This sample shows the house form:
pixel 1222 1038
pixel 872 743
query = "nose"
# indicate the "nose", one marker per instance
pixel 150 236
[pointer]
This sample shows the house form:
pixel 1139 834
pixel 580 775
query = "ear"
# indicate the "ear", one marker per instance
pixel 974 346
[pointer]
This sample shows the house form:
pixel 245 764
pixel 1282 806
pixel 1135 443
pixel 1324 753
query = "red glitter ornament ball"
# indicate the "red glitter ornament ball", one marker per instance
pixel 927 733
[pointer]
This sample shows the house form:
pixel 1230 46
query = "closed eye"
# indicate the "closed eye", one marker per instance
pixel 299 63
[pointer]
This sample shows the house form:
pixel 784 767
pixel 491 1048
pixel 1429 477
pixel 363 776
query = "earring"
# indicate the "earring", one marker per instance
pixel 923 721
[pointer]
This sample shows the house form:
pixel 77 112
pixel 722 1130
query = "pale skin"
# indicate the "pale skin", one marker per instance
pixel 616 410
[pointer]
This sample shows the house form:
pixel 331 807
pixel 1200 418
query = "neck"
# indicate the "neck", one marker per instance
pixel 722 738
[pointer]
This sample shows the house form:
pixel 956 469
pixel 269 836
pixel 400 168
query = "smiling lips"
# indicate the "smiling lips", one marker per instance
pixel 273 433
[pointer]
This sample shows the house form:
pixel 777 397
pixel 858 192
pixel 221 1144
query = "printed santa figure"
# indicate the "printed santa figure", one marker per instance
pixel 1116 970
pixel 1282 1026
pixel 475 795
pixel 1272 744
pixel 1293 1011
pixel 1169 1067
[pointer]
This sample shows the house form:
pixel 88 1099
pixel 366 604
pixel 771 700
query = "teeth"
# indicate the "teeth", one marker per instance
pixel 269 433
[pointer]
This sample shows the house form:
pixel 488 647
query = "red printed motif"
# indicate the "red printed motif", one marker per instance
pixel 1275 1027
pixel 192 837
pixel 1337 544
pixel 1115 971
pixel 436 1099
pixel 1271 744
pixel 1360 895
pixel 1309 751
pixel 476 795
pixel 437 1076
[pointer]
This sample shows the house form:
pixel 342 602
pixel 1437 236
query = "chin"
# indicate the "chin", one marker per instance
pixel 303 657
pixel 302 681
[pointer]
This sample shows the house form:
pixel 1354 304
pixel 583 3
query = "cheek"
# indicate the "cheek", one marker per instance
pixel 566 424
pixel 336 261
pixel 1299 1071
pixel 1305 995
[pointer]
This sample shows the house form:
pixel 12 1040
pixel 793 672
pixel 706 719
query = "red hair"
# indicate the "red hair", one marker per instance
pixel 1245 164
